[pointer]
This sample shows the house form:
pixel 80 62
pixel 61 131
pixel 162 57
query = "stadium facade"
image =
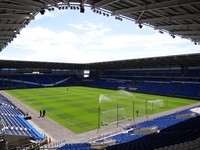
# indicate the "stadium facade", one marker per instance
pixel 170 75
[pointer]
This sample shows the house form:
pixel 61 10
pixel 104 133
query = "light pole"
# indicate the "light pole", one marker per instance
pixel 133 110
pixel 99 117
pixel 117 115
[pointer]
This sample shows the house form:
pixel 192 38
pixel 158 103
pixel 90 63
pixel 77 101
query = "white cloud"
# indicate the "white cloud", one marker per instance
pixel 143 41
pixel 93 44
pixel 88 26
pixel 37 38
pixel 128 46
pixel 46 45
pixel 91 30
pixel 96 33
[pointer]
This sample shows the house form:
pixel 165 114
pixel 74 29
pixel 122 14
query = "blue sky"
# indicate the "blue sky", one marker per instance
pixel 74 37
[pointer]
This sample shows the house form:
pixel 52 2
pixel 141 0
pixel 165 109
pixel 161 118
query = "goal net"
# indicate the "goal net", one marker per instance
pixel 112 116
pixel 154 104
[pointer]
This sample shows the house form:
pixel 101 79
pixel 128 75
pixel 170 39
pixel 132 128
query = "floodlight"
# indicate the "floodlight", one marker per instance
pixel 42 12
pixel 140 25
pixel 82 9
pixel 118 18
pixel 173 36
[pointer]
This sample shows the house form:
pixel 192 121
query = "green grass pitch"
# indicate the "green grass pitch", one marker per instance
pixel 76 107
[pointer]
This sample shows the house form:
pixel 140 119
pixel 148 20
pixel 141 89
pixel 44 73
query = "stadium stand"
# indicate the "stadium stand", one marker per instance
pixel 36 81
pixel 172 83
pixel 76 146
pixel 171 16
pixel 14 126
pixel 172 130
pixel 179 79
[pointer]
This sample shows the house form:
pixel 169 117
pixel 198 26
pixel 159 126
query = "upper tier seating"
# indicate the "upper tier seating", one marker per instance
pixel 34 81
pixel 168 82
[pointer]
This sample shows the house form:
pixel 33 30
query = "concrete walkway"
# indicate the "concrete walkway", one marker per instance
pixel 59 133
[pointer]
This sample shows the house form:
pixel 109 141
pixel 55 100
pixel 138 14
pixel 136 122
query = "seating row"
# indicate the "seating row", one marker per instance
pixel 179 130
pixel 14 123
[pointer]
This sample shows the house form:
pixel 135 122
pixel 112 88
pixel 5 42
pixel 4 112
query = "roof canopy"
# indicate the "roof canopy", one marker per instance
pixel 181 61
pixel 177 17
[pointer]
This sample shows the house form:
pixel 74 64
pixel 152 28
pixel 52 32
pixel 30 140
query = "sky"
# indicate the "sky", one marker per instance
pixel 73 37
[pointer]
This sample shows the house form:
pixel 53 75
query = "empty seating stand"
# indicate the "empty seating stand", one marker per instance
pixel 14 122
pixel 76 146
pixel 163 82
pixel 173 131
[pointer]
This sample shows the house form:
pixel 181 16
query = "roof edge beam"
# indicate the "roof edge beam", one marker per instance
pixel 191 37
pixel 103 3
pixel 11 25
pixel 171 18
pixel 182 26
pixel 15 16
pixel 7 32
pixel 161 5
pixel 30 3
pixel 6 37
pixel 18 7
pixel 186 32
pixel 51 2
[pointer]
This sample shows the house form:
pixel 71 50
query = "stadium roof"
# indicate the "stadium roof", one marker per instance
pixel 182 61
pixel 177 17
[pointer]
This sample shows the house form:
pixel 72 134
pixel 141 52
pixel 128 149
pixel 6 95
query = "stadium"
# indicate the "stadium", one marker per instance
pixel 141 103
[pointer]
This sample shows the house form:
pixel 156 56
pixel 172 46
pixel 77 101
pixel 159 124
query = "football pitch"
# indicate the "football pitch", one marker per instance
pixel 77 108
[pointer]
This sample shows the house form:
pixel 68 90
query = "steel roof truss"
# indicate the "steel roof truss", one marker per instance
pixel 154 6
pixel 30 3
pixel 170 18
pixel 103 3
pixel 18 7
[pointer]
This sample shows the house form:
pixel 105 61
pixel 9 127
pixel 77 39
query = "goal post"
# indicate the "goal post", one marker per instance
pixel 113 116
pixel 155 104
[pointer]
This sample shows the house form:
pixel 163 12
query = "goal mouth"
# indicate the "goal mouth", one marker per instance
pixel 114 116
pixel 155 104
